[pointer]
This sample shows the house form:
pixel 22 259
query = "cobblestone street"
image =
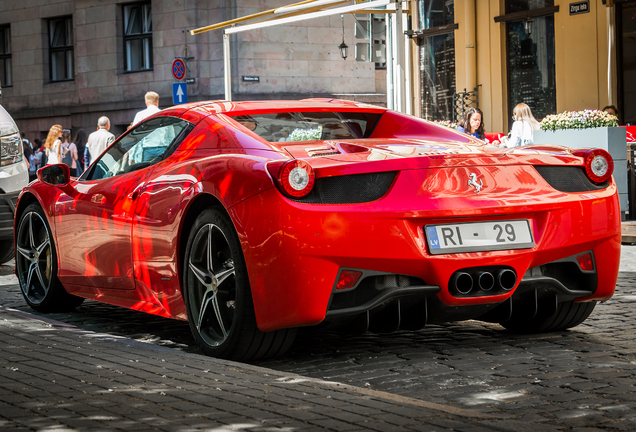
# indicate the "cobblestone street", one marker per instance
pixel 582 379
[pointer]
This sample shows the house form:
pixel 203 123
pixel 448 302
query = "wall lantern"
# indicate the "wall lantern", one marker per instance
pixel 343 47
pixel 527 26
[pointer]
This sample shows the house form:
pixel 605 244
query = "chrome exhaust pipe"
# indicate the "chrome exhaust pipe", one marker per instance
pixel 462 282
pixel 486 281
pixel 507 279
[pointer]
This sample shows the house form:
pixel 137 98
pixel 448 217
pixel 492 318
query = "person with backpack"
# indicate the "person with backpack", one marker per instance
pixel 69 152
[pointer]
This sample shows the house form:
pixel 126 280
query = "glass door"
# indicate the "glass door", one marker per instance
pixel 531 59
pixel 626 37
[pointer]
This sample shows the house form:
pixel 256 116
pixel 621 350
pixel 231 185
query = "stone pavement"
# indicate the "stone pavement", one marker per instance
pixel 55 377
pixel 460 376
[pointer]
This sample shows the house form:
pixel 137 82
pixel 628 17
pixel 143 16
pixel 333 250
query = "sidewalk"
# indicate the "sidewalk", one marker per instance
pixel 56 377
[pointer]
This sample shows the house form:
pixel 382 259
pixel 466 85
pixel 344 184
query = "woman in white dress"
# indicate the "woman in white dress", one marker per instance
pixel 525 123
pixel 53 145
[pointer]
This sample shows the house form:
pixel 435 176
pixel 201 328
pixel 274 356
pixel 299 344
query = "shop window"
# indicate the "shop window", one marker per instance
pixel 6 80
pixel 530 55
pixel 138 37
pixel 61 49
pixel 436 44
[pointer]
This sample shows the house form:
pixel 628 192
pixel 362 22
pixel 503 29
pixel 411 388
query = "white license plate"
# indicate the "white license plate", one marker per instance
pixel 479 236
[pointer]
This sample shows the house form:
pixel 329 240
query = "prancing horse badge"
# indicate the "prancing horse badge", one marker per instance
pixel 473 182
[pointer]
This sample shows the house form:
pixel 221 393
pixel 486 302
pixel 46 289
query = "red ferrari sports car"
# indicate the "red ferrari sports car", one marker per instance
pixel 251 219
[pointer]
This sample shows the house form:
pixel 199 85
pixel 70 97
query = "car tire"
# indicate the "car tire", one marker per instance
pixel 36 265
pixel 568 314
pixel 6 250
pixel 218 296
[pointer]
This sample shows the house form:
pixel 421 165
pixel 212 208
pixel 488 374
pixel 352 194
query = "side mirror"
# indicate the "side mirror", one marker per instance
pixel 55 175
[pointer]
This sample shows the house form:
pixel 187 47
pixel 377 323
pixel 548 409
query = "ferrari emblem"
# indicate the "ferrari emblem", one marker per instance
pixel 473 182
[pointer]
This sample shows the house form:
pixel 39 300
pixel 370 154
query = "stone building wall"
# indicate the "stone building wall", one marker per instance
pixel 293 61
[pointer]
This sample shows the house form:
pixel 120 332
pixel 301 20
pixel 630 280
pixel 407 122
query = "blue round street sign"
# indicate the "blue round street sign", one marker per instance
pixel 178 69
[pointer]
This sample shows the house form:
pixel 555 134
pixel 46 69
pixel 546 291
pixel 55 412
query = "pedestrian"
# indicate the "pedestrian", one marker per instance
pixel 35 160
pixel 99 140
pixel 523 126
pixel 27 154
pixel 69 152
pixel 40 154
pixel 473 123
pixel 53 145
pixel 152 104
pixel 611 109
pixel 80 143
pixel 26 142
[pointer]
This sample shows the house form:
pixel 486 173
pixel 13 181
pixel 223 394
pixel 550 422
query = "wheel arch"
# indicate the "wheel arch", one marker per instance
pixel 26 199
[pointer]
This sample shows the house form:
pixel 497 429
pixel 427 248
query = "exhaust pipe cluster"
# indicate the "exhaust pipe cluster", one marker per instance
pixel 482 282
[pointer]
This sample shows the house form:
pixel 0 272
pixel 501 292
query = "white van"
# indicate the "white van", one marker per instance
pixel 14 175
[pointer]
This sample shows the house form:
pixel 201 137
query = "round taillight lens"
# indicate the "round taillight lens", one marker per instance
pixel 598 165
pixel 297 178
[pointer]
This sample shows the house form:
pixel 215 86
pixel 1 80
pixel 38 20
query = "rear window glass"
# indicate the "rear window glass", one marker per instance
pixel 305 126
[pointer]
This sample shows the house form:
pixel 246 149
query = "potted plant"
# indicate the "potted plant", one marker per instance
pixel 583 129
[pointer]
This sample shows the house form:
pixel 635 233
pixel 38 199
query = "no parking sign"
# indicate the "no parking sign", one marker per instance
pixel 178 69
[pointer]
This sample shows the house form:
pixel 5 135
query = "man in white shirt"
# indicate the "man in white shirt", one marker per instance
pixel 99 140
pixel 152 102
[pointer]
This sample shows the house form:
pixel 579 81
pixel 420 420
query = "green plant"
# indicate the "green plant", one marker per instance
pixel 579 120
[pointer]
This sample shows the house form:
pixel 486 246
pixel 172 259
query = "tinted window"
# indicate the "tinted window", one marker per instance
pixel 144 146
pixel 304 126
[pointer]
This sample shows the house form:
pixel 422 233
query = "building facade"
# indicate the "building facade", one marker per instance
pixel 554 55
pixel 69 62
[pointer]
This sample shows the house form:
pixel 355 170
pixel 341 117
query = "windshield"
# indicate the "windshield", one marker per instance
pixel 7 125
pixel 304 126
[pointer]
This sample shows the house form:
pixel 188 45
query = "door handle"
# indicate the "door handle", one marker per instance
pixel 134 195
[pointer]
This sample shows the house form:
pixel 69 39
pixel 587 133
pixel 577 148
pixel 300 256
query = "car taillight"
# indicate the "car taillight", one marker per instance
pixel 348 279
pixel 598 165
pixel 297 178
pixel 585 261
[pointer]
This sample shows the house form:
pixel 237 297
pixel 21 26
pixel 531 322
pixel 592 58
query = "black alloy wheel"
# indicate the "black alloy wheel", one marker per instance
pixel 218 296
pixel 36 265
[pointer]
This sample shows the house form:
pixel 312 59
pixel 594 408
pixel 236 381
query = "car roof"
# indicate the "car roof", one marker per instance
pixel 235 108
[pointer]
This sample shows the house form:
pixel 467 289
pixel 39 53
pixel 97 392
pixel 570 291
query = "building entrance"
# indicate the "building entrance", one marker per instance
pixel 531 58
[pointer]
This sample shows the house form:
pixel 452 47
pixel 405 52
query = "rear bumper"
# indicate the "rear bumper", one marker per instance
pixel 294 252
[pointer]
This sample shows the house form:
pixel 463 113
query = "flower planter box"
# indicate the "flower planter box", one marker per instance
pixel 612 139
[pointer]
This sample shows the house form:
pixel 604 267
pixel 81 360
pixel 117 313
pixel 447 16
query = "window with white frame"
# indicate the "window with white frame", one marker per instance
pixel 61 48
pixel 138 37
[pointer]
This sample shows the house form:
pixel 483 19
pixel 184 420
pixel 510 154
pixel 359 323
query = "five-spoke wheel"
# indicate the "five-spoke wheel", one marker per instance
pixel 213 282
pixel 218 297
pixel 36 264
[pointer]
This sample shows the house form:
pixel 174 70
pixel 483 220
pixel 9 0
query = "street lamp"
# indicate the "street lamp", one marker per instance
pixel 343 46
